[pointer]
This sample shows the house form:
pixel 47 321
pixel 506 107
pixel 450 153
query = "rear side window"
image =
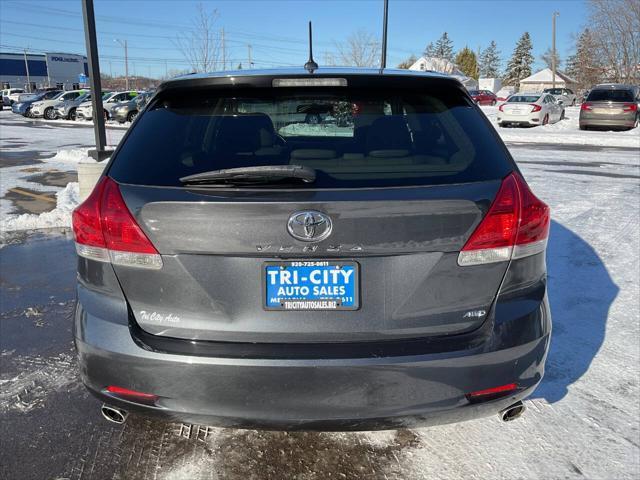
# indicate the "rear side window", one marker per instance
pixel 610 96
pixel 352 138
pixel 523 98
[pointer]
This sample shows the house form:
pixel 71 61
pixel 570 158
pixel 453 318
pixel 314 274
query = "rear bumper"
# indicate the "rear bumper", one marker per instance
pixel 520 119
pixel 316 394
pixel 620 121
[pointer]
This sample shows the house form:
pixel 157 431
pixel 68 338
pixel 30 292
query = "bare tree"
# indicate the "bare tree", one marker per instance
pixel 547 58
pixel 615 25
pixel 200 45
pixel 361 49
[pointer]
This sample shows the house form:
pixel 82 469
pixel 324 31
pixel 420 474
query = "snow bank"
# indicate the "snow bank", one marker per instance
pixel 67 200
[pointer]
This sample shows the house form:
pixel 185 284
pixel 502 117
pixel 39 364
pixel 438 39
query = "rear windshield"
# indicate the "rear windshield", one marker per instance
pixel 610 96
pixel 523 98
pixel 352 138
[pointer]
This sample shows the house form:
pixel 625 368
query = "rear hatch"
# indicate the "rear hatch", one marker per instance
pixel 404 172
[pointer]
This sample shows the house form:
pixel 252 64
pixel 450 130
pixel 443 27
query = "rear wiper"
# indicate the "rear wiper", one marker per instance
pixel 252 175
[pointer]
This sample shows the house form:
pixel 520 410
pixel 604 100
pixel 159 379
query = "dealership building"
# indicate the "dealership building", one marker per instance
pixel 61 70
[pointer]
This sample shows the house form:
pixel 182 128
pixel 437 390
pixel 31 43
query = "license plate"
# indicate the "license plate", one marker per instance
pixel 516 112
pixel 311 285
pixel 608 111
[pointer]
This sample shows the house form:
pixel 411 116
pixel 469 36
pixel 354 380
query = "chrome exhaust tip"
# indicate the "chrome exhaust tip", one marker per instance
pixel 512 412
pixel 113 414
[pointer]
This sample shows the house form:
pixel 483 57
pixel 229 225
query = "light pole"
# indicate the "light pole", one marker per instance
pixel 553 49
pixel 26 66
pixel 123 43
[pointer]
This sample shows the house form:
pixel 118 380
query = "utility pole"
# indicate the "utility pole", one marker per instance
pixel 166 70
pixel 224 53
pixel 88 15
pixel 250 62
pixel 26 66
pixel 126 63
pixel 553 49
pixel 383 60
pixel 110 70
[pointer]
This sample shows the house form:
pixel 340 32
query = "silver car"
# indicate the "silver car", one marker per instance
pixel 109 102
pixel 611 106
pixel 67 109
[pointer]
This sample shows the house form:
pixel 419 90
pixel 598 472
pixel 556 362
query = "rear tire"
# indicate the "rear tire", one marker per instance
pixel 27 113
pixel 545 120
pixel 72 114
pixel 562 115
pixel 50 114
pixel 583 127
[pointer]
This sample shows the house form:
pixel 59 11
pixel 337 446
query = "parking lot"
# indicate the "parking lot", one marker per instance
pixel 582 422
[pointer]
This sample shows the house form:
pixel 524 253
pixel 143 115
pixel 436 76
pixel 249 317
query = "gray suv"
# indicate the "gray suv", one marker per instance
pixel 380 267
pixel 611 106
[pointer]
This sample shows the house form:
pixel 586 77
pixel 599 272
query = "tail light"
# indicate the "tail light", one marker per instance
pixel 516 226
pixel 586 106
pixel 106 231
pixel 501 107
pixel 630 107
pixel 536 108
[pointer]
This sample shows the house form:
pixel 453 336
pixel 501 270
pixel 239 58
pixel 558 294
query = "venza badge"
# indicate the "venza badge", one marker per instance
pixel 309 226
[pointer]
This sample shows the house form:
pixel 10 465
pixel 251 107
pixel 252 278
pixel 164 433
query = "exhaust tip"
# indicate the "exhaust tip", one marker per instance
pixel 113 414
pixel 514 411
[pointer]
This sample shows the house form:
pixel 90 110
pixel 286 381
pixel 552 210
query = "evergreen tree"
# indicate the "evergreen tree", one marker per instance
pixel 519 65
pixel 408 62
pixel 429 51
pixel 467 62
pixel 444 48
pixel 490 61
pixel 585 65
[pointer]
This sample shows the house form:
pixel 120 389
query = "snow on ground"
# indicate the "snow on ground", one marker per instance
pixel 566 131
pixel 30 149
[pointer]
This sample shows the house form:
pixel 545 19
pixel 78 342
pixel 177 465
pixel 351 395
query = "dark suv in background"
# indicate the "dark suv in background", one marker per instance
pixel 611 106
pixel 381 265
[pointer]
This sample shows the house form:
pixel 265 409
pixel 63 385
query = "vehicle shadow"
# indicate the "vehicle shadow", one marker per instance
pixel 581 292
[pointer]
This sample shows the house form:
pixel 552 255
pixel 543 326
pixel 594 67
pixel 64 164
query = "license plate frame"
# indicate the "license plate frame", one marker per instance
pixel 287 304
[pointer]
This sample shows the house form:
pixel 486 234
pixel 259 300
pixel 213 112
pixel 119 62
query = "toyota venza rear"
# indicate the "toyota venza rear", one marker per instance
pixel 343 250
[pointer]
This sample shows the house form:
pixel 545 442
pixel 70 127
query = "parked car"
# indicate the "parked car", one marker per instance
pixel 47 108
pixel 530 109
pixel 67 109
pixel 109 102
pixel 567 95
pixel 231 273
pixel 483 97
pixel 10 95
pixel 128 111
pixel 611 106
pixel 24 103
